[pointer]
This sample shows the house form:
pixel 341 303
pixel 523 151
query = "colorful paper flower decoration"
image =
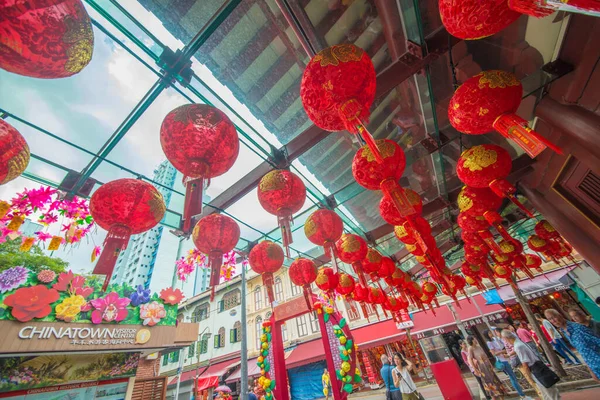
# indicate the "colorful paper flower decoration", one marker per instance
pixel 152 313
pixel 171 296
pixel 110 308
pixel 12 278
pixel 31 302
pixel 202 143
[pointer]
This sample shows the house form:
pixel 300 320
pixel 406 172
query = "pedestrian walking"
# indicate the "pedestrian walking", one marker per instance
pixel 483 368
pixel 558 342
pixel 498 349
pixel 391 392
pixel 465 356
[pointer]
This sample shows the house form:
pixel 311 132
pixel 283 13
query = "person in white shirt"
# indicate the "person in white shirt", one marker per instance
pixel 402 378
pixel 528 358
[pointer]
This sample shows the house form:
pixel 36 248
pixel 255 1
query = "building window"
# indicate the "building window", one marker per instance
pixel 352 311
pixel 165 360
pixel 191 350
pixel 235 335
pixel 204 343
pixel 258 330
pixel 231 299
pixel 314 322
pixel 301 324
pixel 284 336
pixel 296 290
pixel 173 356
pixel 201 312
pixel 278 289
pixel 257 299
pixel 220 338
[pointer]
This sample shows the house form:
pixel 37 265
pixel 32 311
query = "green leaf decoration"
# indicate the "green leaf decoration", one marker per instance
pixel 349 344
pixel 342 322
pixel 348 388
pixel 272 386
pixel 336 327
pixel 265 353
pixel 268 337
pixel 357 378
pixel 267 368
pixel 326 317
pixel 343 357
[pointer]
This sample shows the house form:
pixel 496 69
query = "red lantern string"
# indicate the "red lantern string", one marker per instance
pixel 215 235
pixel 488 165
pixel 543 8
pixel 202 143
pixel 14 152
pixel 123 207
pixel 282 193
pixel 327 280
pixel 43 39
pixel 352 249
pixel 474 19
pixel 372 263
pixel 303 272
pixel 337 90
pixel 265 259
pixel 489 101
pixel 324 228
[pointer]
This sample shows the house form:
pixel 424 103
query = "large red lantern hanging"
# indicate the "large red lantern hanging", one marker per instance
pixel 384 176
pixel 352 249
pixel 538 244
pixel 488 101
pixel 45 39
pixel 389 212
pixel 475 19
pixel 478 225
pixel 303 272
pixel 533 261
pixel 346 285
pixel 215 235
pixel 327 280
pixel 282 193
pixel 488 165
pixel 202 143
pixel 324 228
pixel 337 90
pixel 398 278
pixel 387 268
pixel 546 231
pixel 371 263
pixel 477 201
pixel 265 259
pixel 14 152
pixel 123 207
pixel 475 281
pixel 470 270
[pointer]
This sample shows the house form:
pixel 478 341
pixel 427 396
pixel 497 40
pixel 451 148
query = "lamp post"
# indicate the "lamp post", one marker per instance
pixel 244 344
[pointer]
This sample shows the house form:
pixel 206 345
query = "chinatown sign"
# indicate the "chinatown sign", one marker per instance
pixel 51 337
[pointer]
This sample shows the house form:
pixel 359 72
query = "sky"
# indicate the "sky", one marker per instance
pixel 87 108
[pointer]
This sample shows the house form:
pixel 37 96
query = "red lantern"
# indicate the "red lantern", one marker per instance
pixel 337 90
pixel 503 271
pixel 360 294
pixel 429 289
pixel 488 165
pixel 476 201
pixel 324 228
pixel 303 272
pixel 470 270
pixel 389 211
pixel 488 101
pixel 477 225
pixel 384 176
pixel 414 231
pixel 352 249
pixel 265 259
pixel 327 280
pixel 45 39
pixel 475 281
pixel 282 193
pixel 546 231
pixel 123 207
pixel 215 235
pixel 202 143
pixel 472 238
pixel 387 268
pixel 346 285
pixel 533 262
pixel 475 19
pixel 14 152
pixel 398 278
pixel 371 263
pixel 536 243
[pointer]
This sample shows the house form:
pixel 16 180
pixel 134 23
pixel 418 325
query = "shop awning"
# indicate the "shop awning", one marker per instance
pixel 306 353
pixel 253 370
pixel 550 282
pixel 379 333
pixel 208 378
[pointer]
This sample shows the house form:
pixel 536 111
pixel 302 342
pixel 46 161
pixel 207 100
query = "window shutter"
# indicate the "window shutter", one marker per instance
pixel 221 306
pixel 216 341
pixel 232 336
pixel 176 356
pixel 165 359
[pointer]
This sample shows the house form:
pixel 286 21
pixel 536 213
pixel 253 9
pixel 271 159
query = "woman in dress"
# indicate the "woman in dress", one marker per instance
pixel 403 380
pixel 483 368
pixel 464 351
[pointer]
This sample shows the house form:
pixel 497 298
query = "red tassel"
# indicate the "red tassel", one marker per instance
pixel 285 223
pixel 357 267
pixel 514 127
pixel 115 242
pixel 267 278
pixel 490 242
pixel 503 188
pixel 368 138
pixel 192 205
pixel 308 296
pixel 364 310
pixel 215 261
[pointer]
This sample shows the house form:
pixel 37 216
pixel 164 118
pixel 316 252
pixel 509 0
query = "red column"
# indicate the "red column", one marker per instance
pixel 281 381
